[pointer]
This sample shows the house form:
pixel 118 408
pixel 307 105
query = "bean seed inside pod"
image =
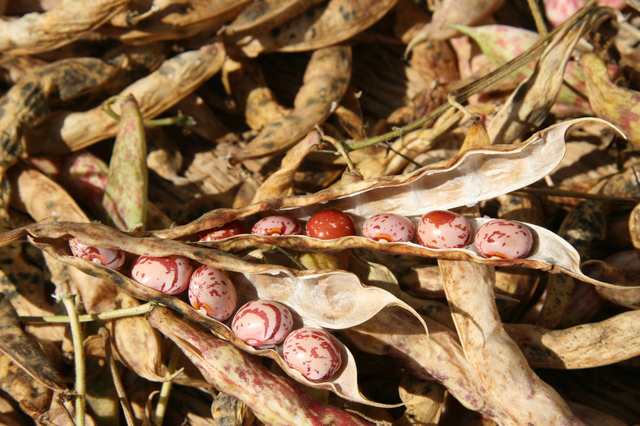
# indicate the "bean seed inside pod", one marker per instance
pixel 441 229
pixel 313 352
pixel 262 323
pixel 226 231
pixel 389 227
pixel 329 225
pixel 107 257
pixel 169 274
pixel 276 225
pixel 213 291
pixel 504 238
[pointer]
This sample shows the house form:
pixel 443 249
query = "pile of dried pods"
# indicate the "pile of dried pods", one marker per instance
pixel 319 212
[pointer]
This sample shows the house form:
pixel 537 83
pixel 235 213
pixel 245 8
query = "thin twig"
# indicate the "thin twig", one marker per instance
pixel 342 150
pixel 179 120
pixel 484 82
pixel 101 316
pixel 537 17
pixel 117 381
pixel 165 391
pixel 69 302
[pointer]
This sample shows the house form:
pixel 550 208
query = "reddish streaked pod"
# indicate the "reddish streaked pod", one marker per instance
pixel 389 227
pixel 276 225
pixel 313 352
pixel 212 290
pixel 504 238
pixel 329 225
pixel 108 257
pixel 229 230
pixel 262 323
pixel 169 275
pixel 441 229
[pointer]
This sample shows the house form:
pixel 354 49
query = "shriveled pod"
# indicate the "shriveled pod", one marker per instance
pixel 262 323
pixel 441 229
pixel 313 352
pixel 389 227
pixel 229 230
pixel 506 239
pixel 108 257
pixel 212 290
pixel 276 225
pixel 330 224
pixel 169 274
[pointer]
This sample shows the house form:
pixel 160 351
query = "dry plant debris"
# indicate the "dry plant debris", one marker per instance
pixel 319 212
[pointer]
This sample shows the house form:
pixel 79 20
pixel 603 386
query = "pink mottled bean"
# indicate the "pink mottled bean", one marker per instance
pixel 389 227
pixel 441 229
pixel 212 290
pixel 313 352
pixel 107 257
pixel 229 230
pixel 276 225
pixel 169 275
pixel 505 239
pixel 262 323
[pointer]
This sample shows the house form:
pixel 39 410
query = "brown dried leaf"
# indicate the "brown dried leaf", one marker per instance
pixel 500 365
pixel 325 82
pixel 40 32
pixel 263 15
pixel 280 183
pixel 319 27
pixel 175 79
pixel 24 351
pixel 273 400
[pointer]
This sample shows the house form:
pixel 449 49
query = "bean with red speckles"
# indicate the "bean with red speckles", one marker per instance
pixel 108 257
pixel 504 238
pixel 441 229
pixel 262 323
pixel 213 291
pixel 313 352
pixel 389 227
pixel 169 275
pixel 276 225
pixel 330 224
pixel 226 231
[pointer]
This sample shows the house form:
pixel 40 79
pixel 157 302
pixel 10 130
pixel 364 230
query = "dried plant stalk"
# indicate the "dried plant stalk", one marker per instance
pixel 273 400
pixel 496 359
pixel 176 78
pixel 40 32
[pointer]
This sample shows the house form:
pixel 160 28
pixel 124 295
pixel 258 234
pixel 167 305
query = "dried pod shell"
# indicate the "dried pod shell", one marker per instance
pixel 276 225
pixel 389 227
pixel 442 229
pixel 313 352
pixel 262 323
pixel 108 257
pixel 506 239
pixel 169 275
pixel 213 291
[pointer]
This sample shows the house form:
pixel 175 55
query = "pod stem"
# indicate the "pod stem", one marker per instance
pixel 100 316
pixel 69 302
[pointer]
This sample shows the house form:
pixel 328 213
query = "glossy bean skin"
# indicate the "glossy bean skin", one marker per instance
pixel 505 239
pixel 441 229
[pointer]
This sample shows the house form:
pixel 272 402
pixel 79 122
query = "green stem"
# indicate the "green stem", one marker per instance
pixel 165 391
pixel 117 383
pixel 69 303
pixel 101 316
pixel 179 120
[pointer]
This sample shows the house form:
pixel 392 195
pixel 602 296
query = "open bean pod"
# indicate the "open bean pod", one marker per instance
pixel 333 300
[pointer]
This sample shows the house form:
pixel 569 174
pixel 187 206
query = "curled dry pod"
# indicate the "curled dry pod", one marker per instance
pixel 262 323
pixel 220 233
pixel 336 300
pixel 441 229
pixel 276 225
pixel 213 291
pixel 329 225
pixel 169 274
pixel 313 352
pixel 389 227
pixel 108 257
pixel 506 239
